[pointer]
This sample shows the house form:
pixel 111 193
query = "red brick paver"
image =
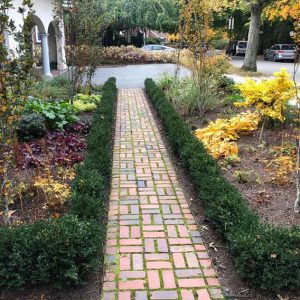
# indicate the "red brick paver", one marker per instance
pixel 153 250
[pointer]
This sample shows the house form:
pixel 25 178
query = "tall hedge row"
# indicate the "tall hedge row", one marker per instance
pixel 265 256
pixel 62 252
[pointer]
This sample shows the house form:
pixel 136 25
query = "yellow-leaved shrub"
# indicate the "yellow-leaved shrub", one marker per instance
pixel 219 136
pixel 269 97
pixel 86 103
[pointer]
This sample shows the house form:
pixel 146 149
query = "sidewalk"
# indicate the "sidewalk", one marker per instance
pixel 154 250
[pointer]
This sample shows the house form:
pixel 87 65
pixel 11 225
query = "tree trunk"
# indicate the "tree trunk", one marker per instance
pixel 129 36
pixel 297 202
pixel 253 38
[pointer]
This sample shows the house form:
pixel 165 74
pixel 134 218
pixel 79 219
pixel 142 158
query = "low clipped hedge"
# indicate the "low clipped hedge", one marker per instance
pixel 265 256
pixel 62 252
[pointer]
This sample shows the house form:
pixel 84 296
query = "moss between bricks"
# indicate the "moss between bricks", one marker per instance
pixel 62 252
pixel 265 256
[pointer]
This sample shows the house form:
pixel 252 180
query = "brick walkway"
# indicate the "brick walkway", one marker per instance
pixel 154 250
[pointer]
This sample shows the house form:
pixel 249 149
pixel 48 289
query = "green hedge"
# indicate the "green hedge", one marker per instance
pixel 265 256
pixel 62 252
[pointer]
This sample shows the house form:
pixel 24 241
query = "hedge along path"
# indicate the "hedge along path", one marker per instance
pixel 154 250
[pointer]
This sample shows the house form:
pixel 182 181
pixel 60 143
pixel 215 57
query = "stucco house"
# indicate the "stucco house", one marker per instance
pixel 46 34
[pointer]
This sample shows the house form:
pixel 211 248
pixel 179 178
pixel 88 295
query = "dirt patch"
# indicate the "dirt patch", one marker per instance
pixel 274 202
pixel 91 291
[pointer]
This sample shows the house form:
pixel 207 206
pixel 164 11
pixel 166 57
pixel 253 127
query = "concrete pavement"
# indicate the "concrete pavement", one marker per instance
pixel 267 67
pixel 133 76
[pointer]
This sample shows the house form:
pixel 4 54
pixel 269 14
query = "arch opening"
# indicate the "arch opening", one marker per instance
pixel 52 41
pixel 37 29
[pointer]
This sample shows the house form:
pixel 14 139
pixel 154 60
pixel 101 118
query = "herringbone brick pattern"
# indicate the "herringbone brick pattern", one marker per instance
pixel 154 250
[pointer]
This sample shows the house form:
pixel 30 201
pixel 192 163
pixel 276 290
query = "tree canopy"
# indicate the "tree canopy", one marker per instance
pixel 154 14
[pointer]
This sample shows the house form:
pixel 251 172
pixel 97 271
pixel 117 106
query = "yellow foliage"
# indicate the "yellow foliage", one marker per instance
pixel 55 191
pixel 86 102
pixel 286 9
pixel 82 106
pixel 280 169
pixel 269 97
pixel 220 135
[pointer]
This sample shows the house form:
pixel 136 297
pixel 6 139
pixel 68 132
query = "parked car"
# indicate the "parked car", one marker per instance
pixel 237 48
pixel 281 52
pixel 241 47
pixel 158 48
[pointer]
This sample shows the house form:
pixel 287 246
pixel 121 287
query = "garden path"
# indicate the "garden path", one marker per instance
pixel 154 250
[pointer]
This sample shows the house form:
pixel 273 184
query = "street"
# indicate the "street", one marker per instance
pixel 267 67
pixel 133 76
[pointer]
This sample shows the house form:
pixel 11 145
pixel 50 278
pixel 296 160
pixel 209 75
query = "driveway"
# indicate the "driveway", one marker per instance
pixel 133 76
pixel 267 67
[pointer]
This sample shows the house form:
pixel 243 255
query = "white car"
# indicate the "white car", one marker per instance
pixel 241 47
pixel 158 48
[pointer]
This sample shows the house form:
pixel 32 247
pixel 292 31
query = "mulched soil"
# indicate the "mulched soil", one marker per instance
pixel 91 291
pixel 274 203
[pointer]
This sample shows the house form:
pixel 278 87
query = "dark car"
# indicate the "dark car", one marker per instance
pixel 281 52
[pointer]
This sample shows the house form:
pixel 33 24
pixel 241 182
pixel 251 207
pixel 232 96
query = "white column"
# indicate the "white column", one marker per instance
pixel 60 45
pixel 45 54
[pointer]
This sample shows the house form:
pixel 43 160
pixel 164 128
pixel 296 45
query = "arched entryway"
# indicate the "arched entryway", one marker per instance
pixel 40 45
pixel 56 41
pixel 52 46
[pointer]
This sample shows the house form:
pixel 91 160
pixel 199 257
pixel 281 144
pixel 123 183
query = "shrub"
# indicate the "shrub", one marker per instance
pixel 59 252
pixel 31 126
pixel 182 92
pixel 57 113
pixel 207 73
pixel 269 97
pixel 150 41
pixel 227 83
pixel 221 44
pixel 219 136
pixel 62 252
pixel 57 88
pixel 267 257
pixel 85 103
pixel 132 55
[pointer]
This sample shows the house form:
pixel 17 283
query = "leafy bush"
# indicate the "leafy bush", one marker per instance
pixel 220 135
pixel 267 257
pixel 65 148
pixel 85 103
pixel 227 83
pixel 206 80
pixel 57 113
pixel 57 88
pixel 56 252
pixel 132 55
pixel 182 92
pixel 31 126
pixel 220 44
pixel 150 41
pixel 62 252
pixel 269 97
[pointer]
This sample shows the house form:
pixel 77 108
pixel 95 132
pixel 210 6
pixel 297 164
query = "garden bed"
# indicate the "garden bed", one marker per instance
pixel 44 165
pixel 65 250
pixel 265 256
pixel 271 195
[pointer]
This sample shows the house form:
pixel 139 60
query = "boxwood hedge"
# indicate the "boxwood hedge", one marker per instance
pixel 267 257
pixel 62 252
